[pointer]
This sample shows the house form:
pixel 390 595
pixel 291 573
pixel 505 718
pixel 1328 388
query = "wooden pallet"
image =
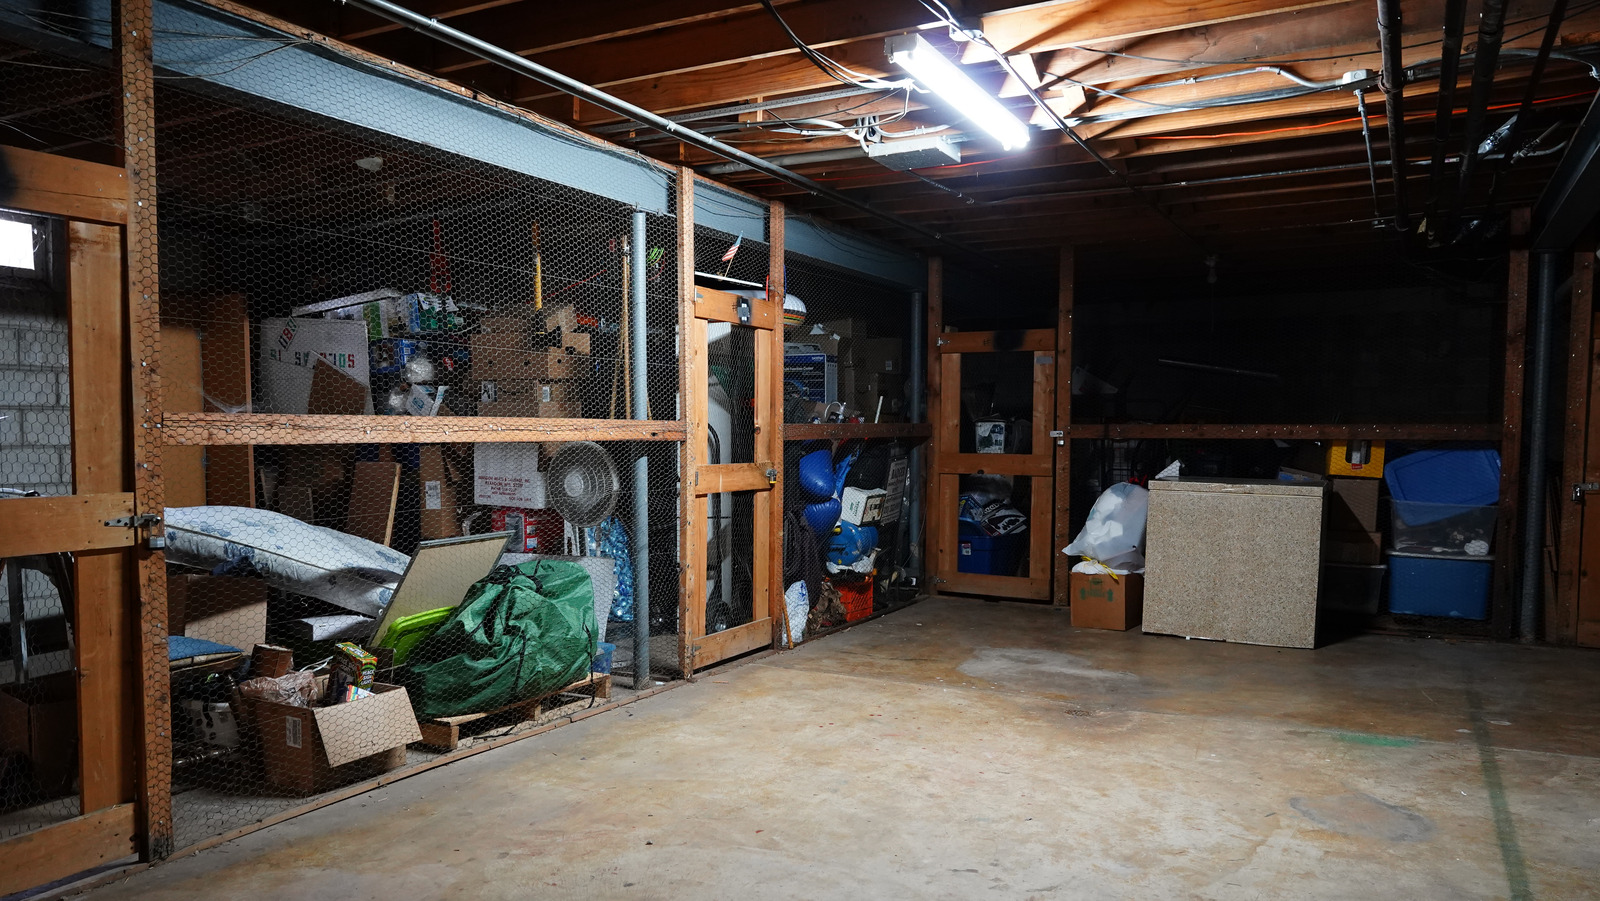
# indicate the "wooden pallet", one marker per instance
pixel 445 731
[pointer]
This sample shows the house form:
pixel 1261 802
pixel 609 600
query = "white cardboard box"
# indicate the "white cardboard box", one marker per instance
pixel 290 349
pixel 507 475
pixel 861 506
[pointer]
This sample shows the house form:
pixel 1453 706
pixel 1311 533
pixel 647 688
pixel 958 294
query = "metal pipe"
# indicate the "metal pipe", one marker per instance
pixel 1519 122
pixel 1455 22
pixel 1537 416
pixel 1392 81
pixel 918 413
pixel 487 51
pixel 1366 138
pixel 638 346
pixel 1491 22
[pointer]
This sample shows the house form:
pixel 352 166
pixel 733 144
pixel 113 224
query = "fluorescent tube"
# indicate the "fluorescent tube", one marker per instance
pixel 939 75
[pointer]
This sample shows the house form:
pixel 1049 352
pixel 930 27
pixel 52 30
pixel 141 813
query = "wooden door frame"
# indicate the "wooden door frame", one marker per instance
pixel 1568 619
pixel 764 475
pixel 949 464
pixel 93 199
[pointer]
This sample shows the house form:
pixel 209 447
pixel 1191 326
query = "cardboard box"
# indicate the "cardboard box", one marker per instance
pixel 290 350
pixel 1361 459
pixel 39 720
pixel 1352 504
pixel 559 409
pixel 230 610
pixel 438 495
pixel 877 356
pixel 861 506
pixel 312 749
pixel 507 475
pixel 1353 547
pixel 1102 602
pixel 497 357
pixel 522 397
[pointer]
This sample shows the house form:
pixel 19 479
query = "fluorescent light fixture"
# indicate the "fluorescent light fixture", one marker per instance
pixel 939 75
pixel 16 244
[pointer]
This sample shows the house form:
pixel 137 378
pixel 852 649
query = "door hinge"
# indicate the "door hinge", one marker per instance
pixel 744 311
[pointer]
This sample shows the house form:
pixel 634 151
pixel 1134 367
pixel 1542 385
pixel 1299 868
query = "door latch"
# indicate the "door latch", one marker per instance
pixel 744 311
pixel 1059 436
pixel 1582 488
pixel 141 521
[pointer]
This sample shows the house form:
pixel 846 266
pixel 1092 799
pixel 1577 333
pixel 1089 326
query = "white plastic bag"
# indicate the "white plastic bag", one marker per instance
pixel 1113 537
pixel 797 601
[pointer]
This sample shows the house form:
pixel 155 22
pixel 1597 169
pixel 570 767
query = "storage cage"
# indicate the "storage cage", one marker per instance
pixel 417 417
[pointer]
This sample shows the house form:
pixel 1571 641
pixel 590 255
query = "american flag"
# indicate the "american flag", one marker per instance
pixel 733 248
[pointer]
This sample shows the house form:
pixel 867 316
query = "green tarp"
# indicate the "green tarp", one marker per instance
pixel 522 631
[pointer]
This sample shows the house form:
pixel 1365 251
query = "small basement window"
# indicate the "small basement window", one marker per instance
pixel 22 245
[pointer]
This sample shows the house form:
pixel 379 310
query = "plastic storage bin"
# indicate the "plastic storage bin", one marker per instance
pixel 1439 585
pixel 990 555
pixel 1452 529
pixel 602 660
pixel 1468 478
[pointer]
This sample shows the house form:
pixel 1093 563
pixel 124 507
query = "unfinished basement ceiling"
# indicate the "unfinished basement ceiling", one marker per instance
pixel 1234 121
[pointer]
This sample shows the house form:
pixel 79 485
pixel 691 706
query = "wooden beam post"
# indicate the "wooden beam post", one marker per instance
pixel 1561 614
pixel 932 509
pixel 769 503
pixel 105 614
pixel 1503 612
pixel 691 409
pixel 131 27
pixel 1061 592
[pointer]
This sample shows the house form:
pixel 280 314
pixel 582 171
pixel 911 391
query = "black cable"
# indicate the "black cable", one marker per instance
pixel 834 70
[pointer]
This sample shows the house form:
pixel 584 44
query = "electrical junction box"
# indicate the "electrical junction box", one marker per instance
pixel 915 153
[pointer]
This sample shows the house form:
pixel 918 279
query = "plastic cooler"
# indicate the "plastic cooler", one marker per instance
pixel 1439 585
pixel 990 555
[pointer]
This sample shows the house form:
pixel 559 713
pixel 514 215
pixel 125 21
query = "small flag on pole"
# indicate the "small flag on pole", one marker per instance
pixel 733 249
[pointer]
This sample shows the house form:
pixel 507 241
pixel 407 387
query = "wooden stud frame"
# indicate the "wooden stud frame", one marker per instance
pixel 949 464
pixel 1502 612
pixel 933 540
pixel 1568 620
pixel 1062 564
pixel 692 410
pixel 764 476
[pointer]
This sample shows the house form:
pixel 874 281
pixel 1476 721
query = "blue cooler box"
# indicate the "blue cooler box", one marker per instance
pixel 990 555
pixel 1439 585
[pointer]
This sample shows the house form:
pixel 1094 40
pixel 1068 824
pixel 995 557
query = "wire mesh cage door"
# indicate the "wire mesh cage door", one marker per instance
pixel 993 462
pixel 68 702
pixel 721 628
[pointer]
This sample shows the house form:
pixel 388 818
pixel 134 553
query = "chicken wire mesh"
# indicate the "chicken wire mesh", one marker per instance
pixel 375 605
pixel 848 507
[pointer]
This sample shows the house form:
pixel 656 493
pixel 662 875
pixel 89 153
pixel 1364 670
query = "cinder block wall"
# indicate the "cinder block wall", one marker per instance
pixel 35 433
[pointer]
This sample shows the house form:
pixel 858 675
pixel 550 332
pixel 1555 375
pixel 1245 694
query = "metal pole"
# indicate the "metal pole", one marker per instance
pixel 1393 83
pixel 912 516
pixel 641 466
pixel 1535 426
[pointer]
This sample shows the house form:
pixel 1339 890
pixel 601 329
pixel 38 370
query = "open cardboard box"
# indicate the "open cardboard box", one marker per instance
pixel 39 721
pixel 313 749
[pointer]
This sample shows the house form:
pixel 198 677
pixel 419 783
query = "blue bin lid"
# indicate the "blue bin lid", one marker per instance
pixel 1468 478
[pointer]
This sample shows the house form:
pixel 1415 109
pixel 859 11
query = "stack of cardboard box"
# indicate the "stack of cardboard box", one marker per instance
pixel 868 368
pixel 531 364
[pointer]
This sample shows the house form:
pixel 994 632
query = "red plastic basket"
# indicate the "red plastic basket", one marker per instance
pixel 856 598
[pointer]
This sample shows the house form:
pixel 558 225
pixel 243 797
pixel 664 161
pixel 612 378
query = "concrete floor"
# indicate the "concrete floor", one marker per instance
pixel 961 749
